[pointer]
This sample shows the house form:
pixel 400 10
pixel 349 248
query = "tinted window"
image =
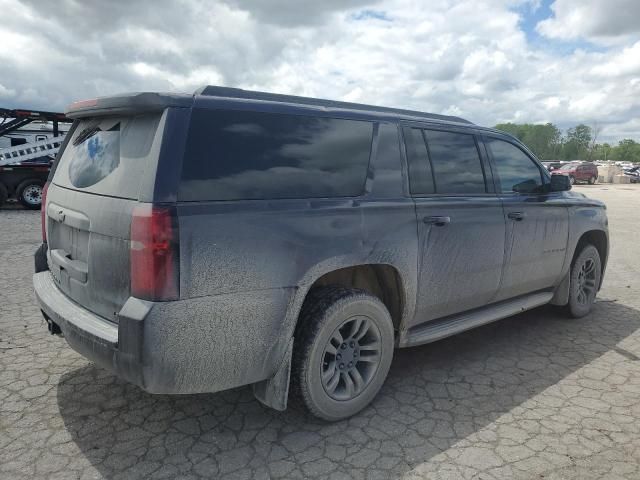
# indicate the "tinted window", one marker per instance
pixel 233 155
pixel 455 162
pixel 420 179
pixel 108 155
pixel 387 173
pixel 517 172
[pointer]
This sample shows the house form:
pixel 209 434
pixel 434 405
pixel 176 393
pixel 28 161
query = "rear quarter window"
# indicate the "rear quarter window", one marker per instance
pixel 240 155
pixel 387 166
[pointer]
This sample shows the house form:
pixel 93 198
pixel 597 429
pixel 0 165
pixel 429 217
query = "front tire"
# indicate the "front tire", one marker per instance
pixel 342 351
pixel 29 193
pixel 572 180
pixel 586 272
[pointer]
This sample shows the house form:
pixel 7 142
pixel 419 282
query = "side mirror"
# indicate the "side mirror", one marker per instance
pixel 560 183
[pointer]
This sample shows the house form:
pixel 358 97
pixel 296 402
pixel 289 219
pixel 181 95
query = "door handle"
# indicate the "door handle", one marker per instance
pixel 517 216
pixel 437 221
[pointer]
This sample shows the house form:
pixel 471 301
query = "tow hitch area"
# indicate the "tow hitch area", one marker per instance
pixel 53 327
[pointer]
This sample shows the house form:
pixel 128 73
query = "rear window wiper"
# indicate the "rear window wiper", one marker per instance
pixel 90 131
pixel 86 134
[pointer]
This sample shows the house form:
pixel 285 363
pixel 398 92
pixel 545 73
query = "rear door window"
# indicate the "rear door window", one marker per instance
pixel 241 155
pixel 109 155
pixel 455 162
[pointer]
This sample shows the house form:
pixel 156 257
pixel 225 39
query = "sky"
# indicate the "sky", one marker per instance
pixel 489 61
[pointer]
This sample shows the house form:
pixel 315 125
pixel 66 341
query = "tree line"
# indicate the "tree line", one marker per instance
pixel 548 142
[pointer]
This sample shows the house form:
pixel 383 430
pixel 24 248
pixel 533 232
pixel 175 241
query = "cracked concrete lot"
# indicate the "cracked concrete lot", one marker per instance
pixel 532 396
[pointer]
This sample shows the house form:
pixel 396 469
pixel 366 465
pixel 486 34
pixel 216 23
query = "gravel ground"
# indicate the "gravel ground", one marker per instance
pixel 533 396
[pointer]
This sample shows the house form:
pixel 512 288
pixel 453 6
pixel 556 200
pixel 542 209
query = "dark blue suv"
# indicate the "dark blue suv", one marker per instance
pixel 195 243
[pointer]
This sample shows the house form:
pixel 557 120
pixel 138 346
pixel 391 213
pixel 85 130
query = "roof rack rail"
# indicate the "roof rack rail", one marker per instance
pixel 229 92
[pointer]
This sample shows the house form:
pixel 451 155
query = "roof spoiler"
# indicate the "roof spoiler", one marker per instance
pixel 128 103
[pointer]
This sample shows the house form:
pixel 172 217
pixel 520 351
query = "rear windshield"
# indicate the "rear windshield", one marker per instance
pixel 108 155
pixel 238 155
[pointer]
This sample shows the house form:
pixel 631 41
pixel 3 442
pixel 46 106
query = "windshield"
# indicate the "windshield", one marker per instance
pixel 108 155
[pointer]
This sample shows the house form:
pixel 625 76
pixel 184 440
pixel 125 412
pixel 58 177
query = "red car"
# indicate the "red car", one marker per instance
pixel 579 172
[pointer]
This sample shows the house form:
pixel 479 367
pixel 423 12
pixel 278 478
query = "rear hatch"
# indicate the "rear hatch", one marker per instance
pixel 108 164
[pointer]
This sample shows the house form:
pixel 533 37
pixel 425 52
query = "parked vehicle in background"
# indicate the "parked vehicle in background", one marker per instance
pixel 633 173
pixel 579 172
pixel 23 175
pixel 24 182
pixel 550 166
pixel 196 243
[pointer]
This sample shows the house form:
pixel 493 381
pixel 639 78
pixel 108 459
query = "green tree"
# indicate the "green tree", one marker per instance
pixel 576 144
pixel 511 128
pixel 602 151
pixel 543 140
pixel 627 151
pixel 579 143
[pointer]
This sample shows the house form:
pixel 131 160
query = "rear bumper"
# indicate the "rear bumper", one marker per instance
pixel 205 344
pixel 91 335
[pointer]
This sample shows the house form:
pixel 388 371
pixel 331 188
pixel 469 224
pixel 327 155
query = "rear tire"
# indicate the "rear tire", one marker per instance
pixel 40 259
pixel 592 181
pixel 586 272
pixel 29 193
pixel 342 352
pixel 4 194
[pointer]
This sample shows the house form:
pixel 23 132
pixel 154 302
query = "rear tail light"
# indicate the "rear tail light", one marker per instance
pixel 155 253
pixel 43 211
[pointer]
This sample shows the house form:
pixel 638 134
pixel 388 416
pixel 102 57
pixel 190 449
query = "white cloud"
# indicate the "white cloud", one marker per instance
pixel 602 21
pixel 6 92
pixel 466 57
pixel 626 63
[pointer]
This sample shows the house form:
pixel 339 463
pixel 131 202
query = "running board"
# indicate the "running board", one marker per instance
pixel 438 329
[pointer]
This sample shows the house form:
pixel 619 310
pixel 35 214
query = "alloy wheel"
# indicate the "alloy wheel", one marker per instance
pixel 350 359
pixel 586 287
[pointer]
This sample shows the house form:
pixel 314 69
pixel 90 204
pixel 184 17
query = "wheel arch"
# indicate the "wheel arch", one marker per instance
pixel 382 280
pixel 595 237
pixel 598 239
